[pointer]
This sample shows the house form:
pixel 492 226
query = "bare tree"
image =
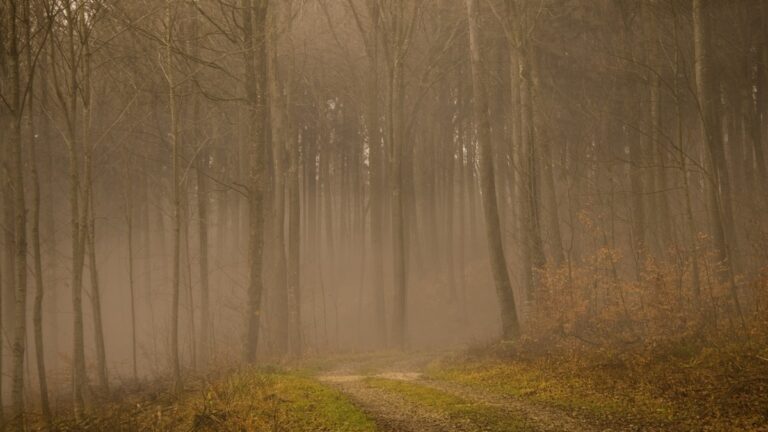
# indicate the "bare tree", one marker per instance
pixel 509 321
pixel 254 15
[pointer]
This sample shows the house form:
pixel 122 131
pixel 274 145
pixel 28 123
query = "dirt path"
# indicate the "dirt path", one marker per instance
pixel 392 412
pixel 544 419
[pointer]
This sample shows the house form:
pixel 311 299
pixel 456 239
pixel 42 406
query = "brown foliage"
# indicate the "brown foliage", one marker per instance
pixel 591 305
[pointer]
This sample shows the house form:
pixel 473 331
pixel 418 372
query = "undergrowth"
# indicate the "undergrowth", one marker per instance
pixel 250 399
pixel 682 386
pixel 653 351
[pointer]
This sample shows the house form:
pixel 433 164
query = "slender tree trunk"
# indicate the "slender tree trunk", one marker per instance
pixel 761 105
pixel 9 236
pixel 98 326
pixel 553 211
pixel 89 225
pixel 399 312
pixel 377 180
pixel 4 127
pixel 187 265
pixel 202 354
pixel 19 244
pixel 708 105
pixel 280 134
pixel 400 35
pixel 690 221
pixel 295 343
pixel 131 285
pixel 254 22
pixel 447 139
pixel 662 217
pixel 12 133
pixel 510 324
pixel 461 226
pixel 553 218
pixel 175 150
pixel 516 150
pixel 205 302
pixel 37 310
pixel 757 110
pixel 49 222
pixel 711 127
pixel 535 260
pixel 329 275
pixel 146 244
pixel 640 152
pixel 294 250
pixel 79 376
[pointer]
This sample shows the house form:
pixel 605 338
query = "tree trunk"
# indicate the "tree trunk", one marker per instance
pixel 254 22
pixel 175 149
pixel 547 162
pixel 663 219
pixel 146 216
pixel 377 197
pixel 709 110
pixel 8 280
pixel 535 260
pixel 510 324
pixel 294 250
pixel 279 132
pixel 187 266
pixel 79 376
pixel 19 244
pixel 37 310
pixel 690 221
pixel 131 286
pixel 89 226
pixel 98 326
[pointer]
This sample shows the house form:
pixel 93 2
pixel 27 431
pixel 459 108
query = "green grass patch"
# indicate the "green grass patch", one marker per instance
pixel 279 401
pixel 485 417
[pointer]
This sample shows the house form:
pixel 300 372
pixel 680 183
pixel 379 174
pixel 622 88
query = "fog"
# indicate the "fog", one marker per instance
pixel 209 183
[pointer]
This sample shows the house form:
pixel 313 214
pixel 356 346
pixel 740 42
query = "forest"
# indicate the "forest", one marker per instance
pixel 383 215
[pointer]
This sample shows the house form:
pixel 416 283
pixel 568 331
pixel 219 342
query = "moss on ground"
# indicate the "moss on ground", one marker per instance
pixel 484 417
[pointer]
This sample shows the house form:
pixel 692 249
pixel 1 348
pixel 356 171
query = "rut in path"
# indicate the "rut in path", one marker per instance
pixel 392 412
pixel 542 418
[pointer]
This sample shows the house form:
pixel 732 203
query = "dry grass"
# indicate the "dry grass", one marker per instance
pixel 245 400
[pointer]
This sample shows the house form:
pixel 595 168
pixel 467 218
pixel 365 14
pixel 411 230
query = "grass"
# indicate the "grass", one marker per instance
pixel 250 399
pixel 699 390
pixel 485 417
pixel 569 393
pixel 682 387
pixel 278 401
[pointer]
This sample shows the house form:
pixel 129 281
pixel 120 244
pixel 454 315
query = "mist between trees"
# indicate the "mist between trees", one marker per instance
pixel 190 184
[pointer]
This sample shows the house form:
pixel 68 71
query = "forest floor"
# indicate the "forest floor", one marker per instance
pixel 405 396
pixel 726 391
